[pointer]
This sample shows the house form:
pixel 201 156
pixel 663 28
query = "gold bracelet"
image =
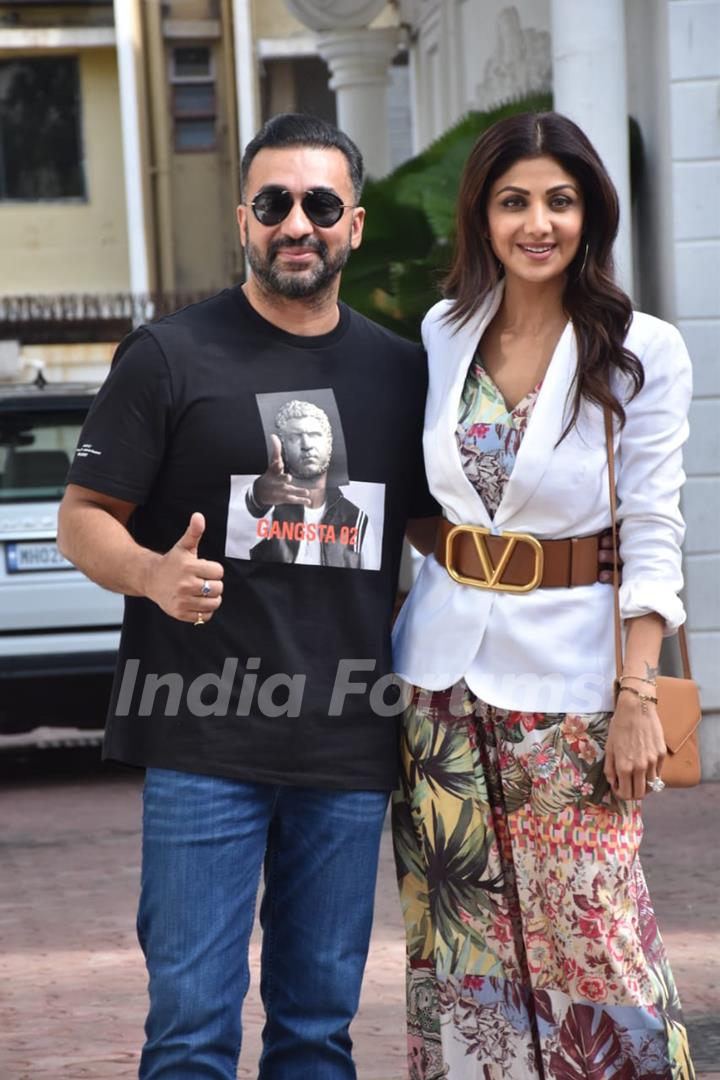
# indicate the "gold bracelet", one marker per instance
pixel 639 678
pixel 644 698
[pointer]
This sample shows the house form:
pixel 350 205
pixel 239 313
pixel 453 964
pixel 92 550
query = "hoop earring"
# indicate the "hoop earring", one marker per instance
pixel 582 267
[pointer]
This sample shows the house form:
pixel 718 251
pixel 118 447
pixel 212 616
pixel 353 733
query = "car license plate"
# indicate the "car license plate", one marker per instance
pixel 34 555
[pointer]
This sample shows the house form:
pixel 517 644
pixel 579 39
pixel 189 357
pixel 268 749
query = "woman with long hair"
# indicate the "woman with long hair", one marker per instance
pixel 533 951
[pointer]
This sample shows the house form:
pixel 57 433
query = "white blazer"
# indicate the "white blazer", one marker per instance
pixel 552 649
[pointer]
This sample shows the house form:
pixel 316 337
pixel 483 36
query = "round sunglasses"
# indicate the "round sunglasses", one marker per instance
pixel 323 208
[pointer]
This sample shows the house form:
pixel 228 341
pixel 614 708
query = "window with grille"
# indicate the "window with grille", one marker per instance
pixel 194 105
pixel 41 157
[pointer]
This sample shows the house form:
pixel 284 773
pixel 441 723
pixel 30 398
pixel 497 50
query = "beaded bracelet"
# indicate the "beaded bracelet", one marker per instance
pixel 644 698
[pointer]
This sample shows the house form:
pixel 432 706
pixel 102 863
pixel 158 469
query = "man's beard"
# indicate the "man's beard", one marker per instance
pixel 295 284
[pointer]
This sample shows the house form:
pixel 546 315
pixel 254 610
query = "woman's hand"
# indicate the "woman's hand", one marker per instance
pixel 635 748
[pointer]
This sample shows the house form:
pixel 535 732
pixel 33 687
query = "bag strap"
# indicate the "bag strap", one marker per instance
pixel 682 637
pixel 615 571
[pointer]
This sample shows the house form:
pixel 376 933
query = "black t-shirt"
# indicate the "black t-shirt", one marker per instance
pixel 184 423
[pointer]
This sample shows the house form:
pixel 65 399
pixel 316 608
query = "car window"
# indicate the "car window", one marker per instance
pixel 36 449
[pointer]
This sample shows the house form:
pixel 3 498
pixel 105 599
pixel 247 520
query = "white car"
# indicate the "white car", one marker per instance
pixel 59 632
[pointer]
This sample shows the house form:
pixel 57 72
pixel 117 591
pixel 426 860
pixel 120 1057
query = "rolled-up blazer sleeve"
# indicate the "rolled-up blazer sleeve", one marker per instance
pixel 649 478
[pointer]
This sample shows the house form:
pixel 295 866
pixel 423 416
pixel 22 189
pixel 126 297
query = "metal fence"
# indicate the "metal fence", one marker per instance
pixel 55 320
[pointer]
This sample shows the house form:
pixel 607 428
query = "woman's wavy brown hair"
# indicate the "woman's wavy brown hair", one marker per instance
pixel 601 312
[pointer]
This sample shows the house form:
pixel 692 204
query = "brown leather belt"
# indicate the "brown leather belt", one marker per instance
pixel 515 562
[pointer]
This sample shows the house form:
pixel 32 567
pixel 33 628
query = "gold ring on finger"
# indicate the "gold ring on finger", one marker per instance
pixel 199 621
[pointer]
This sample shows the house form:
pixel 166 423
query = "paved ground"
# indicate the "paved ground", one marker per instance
pixel 72 980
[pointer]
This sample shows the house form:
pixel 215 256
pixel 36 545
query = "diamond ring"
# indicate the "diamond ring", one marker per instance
pixel 656 784
pixel 206 589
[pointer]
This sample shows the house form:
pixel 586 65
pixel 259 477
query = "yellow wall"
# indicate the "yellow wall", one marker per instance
pixel 75 246
pixel 192 9
pixel 271 19
pixel 204 197
pixel 204 227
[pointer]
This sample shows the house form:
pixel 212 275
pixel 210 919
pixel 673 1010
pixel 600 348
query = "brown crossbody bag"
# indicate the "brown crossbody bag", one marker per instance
pixel 678 700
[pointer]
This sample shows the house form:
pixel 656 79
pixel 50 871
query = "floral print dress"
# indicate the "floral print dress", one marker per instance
pixel 533 951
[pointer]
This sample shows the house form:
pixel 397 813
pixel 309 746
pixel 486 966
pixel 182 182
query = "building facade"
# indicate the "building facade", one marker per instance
pixel 159 97
pixel 72 220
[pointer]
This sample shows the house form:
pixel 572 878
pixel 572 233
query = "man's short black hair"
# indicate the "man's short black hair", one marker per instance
pixel 296 129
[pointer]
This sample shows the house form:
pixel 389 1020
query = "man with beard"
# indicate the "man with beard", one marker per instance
pixel 285 760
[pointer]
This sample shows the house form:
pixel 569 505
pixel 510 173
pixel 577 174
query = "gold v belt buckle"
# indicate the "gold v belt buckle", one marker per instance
pixel 493 574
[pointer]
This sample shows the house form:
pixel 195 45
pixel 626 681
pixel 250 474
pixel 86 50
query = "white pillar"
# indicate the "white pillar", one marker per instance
pixel 245 73
pixel 127 35
pixel 359 62
pixel 590 86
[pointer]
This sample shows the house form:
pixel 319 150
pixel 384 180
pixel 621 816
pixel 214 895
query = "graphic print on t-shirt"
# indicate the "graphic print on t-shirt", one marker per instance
pixel 343 527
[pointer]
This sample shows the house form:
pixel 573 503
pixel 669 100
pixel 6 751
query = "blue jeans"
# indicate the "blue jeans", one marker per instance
pixel 205 840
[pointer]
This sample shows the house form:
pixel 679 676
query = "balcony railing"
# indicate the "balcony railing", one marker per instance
pixel 55 320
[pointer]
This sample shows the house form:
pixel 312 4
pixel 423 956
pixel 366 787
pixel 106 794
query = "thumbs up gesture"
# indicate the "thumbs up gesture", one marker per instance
pixel 275 486
pixel 183 585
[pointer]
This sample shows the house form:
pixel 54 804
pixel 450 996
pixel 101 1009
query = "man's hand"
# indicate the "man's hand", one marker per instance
pixel 275 486
pixel 175 580
pixel 605 558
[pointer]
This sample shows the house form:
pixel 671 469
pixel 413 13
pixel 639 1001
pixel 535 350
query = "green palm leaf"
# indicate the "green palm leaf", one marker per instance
pixel 440 754
pixel 408 856
pixel 457 874
pixel 516 785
